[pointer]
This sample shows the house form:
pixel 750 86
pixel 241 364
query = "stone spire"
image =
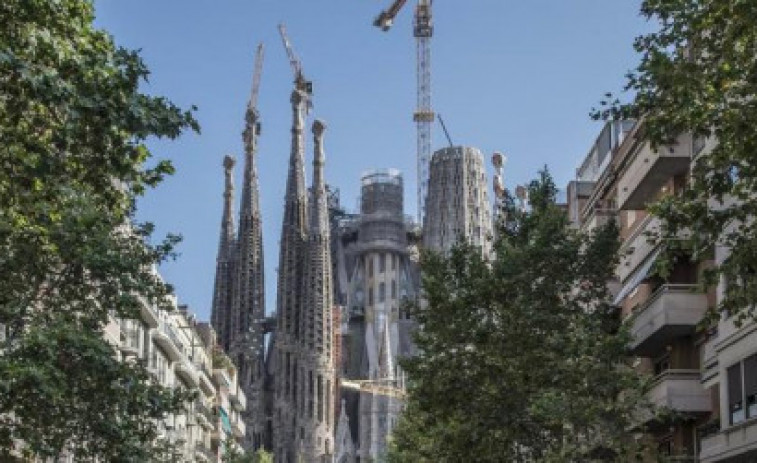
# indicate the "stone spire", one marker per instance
pixel 292 255
pixel 249 291
pixel 319 219
pixel 386 356
pixel 317 330
pixel 223 288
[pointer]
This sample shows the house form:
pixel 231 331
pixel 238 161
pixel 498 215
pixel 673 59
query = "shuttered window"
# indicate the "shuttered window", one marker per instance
pixel 735 394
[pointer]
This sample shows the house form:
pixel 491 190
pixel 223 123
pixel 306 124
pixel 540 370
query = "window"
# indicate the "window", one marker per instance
pixel 742 390
pixel 370 296
pixel 750 385
pixel 382 263
pixel 370 267
pixel 382 292
pixel 394 289
pixel 735 394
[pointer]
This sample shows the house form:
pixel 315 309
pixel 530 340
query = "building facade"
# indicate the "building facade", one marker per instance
pixel 622 175
pixel 457 205
pixel 182 353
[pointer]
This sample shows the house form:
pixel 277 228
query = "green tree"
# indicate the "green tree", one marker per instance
pixel 72 164
pixel 698 75
pixel 521 357
pixel 232 455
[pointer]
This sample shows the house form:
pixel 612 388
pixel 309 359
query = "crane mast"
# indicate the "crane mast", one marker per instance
pixel 423 116
pixel 252 115
pixel 300 82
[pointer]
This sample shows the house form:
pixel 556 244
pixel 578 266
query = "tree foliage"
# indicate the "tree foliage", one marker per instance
pixel 72 162
pixel 232 455
pixel 521 357
pixel 698 75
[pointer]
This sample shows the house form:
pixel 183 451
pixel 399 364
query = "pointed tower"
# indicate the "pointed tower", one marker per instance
pixel 316 356
pixel 292 254
pixel 344 446
pixel 248 308
pixel 223 288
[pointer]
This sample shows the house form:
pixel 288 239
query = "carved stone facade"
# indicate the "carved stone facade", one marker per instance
pixel 238 308
pixel 303 362
pixel 457 205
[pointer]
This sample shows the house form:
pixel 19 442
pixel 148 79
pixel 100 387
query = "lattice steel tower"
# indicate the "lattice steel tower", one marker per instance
pixel 423 116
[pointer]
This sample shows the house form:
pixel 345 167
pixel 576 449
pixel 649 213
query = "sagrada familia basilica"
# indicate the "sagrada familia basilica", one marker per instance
pixel 322 374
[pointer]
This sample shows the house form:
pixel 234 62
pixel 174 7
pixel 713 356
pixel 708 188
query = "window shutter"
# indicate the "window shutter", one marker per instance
pixel 750 375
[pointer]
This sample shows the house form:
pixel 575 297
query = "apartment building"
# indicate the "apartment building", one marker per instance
pixel 729 371
pixel 181 352
pixel 619 181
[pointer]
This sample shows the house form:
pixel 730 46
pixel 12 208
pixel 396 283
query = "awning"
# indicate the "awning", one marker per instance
pixel 640 275
pixel 225 420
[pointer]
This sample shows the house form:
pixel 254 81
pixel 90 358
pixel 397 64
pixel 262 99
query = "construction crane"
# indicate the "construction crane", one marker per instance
pixel 424 115
pixel 257 73
pixel 300 82
pixel 376 387
pixel 252 105
pixel 444 127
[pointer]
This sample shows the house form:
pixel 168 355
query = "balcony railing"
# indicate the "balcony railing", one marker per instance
pixel 672 311
pixel 185 369
pixel 239 428
pixel 680 390
pixel 735 441
pixel 206 378
pixel 239 399
pixel 649 170
pixel 597 217
pixel 149 314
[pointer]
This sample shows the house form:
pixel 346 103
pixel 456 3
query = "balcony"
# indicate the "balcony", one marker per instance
pixel 185 370
pixel 649 170
pixel 202 453
pixel 239 428
pixel 202 414
pixel 672 311
pixel 597 217
pixel 637 247
pixel 680 390
pixel 238 399
pixel 149 315
pixel 169 347
pixel 206 383
pixel 737 443
pixel 221 378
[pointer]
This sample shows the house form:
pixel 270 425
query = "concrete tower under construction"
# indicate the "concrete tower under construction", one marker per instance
pixel 377 274
pixel 457 205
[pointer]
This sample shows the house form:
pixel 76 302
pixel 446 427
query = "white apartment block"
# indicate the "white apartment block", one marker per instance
pixel 181 352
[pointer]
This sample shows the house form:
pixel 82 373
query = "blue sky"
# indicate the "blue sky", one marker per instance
pixel 515 76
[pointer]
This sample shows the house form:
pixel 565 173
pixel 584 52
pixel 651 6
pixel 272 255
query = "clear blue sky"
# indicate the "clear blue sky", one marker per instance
pixel 510 75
